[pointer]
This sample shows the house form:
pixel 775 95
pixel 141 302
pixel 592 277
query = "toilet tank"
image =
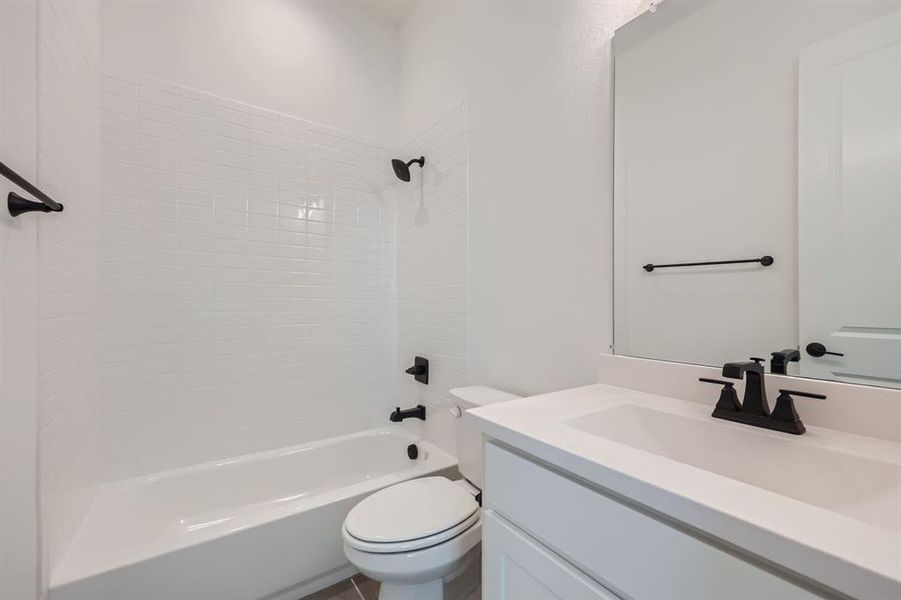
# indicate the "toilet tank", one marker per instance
pixel 470 450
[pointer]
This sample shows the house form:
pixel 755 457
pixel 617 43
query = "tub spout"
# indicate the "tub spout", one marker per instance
pixel 399 415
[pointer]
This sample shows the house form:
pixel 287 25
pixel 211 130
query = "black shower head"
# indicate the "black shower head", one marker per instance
pixel 402 169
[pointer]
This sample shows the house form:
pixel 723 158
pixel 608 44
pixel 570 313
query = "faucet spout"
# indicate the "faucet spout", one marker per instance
pixel 411 413
pixel 780 360
pixel 754 401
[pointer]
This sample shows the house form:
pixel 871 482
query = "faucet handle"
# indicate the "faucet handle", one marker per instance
pixel 419 370
pixel 786 416
pixel 804 394
pixel 718 381
pixel 728 397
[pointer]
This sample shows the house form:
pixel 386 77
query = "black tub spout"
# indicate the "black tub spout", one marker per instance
pixel 411 413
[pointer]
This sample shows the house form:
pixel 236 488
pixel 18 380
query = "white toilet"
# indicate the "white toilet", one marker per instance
pixel 421 538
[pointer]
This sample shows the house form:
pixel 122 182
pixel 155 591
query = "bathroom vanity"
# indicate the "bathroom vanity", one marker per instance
pixel 756 199
pixel 606 492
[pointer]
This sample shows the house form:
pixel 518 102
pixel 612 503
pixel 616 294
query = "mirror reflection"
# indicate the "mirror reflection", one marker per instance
pixel 758 186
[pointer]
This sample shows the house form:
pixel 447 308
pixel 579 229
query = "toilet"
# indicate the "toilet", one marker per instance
pixel 421 539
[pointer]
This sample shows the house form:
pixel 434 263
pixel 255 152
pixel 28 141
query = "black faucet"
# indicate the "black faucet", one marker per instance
pixel 779 361
pixel 754 410
pixel 411 413
pixel 754 401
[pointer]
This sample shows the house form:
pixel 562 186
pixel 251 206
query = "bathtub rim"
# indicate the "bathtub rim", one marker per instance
pixel 242 459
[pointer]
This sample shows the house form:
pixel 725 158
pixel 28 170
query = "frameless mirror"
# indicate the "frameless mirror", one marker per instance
pixel 757 186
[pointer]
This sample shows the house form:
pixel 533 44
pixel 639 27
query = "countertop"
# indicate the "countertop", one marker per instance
pixel 853 551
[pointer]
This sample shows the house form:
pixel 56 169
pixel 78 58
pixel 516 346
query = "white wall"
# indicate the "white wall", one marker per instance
pixel 313 59
pixel 536 77
pixel 247 279
pixel 68 170
pixel 706 138
pixel 50 103
pixel 229 182
pixel 247 237
pixel 536 80
pixel 19 496
pixel 431 271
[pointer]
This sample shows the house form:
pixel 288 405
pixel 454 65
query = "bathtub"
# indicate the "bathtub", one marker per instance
pixel 265 525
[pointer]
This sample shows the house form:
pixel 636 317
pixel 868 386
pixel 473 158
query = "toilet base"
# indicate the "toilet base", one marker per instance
pixel 430 590
pixel 463 584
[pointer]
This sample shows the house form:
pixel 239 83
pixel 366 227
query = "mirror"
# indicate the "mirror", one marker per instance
pixel 766 134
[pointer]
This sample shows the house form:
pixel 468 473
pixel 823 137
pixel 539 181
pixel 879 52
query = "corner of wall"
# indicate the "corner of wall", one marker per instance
pixel 68 169
pixel 432 257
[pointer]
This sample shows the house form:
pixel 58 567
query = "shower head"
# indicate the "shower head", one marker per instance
pixel 402 169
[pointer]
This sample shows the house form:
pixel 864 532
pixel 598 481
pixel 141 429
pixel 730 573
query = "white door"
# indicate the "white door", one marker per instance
pixel 516 567
pixel 849 217
pixel 19 572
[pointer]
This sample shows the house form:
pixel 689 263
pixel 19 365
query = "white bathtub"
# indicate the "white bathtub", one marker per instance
pixel 265 525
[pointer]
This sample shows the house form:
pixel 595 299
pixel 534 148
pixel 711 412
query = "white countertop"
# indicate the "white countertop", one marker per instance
pixel 854 551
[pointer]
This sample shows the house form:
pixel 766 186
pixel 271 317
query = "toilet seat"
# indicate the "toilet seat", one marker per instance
pixel 408 545
pixel 417 566
pixel 412 515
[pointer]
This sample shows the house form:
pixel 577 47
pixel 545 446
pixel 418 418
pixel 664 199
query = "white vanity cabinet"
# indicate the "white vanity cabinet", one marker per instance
pixel 547 535
pixel 515 566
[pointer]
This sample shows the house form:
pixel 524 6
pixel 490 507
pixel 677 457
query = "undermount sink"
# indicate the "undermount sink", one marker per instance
pixel 857 487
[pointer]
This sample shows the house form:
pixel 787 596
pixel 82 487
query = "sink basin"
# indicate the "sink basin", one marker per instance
pixel 857 487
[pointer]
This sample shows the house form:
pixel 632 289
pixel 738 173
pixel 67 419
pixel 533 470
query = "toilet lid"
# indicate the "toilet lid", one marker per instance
pixel 410 510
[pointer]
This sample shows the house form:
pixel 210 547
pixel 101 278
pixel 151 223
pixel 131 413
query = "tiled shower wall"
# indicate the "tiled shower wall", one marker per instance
pixel 431 270
pixel 68 170
pixel 247 279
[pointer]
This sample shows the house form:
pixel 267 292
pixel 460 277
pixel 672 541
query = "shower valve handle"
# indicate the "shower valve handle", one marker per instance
pixel 419 370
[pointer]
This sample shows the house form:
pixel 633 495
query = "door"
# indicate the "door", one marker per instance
pixel 849 215
pixel 516 567
pixel 19 571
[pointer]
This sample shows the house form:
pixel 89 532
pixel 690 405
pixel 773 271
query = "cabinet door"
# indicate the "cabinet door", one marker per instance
pixel 515 567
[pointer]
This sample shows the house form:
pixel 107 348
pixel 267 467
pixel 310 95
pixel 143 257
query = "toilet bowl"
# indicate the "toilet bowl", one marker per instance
pixel 421 539
pixel 416 538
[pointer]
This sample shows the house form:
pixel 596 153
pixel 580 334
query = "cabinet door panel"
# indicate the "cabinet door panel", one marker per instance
pixel 515 567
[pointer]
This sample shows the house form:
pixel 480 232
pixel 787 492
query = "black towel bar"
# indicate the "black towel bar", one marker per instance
pixel 17 205
pixel 763 260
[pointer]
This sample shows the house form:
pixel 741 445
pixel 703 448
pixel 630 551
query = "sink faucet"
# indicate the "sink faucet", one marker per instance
pixel 754 401
pixel 754 410
pixel 780 360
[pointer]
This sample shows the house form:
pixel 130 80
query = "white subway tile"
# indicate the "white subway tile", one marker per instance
pixel 227 317
pixel 73 113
